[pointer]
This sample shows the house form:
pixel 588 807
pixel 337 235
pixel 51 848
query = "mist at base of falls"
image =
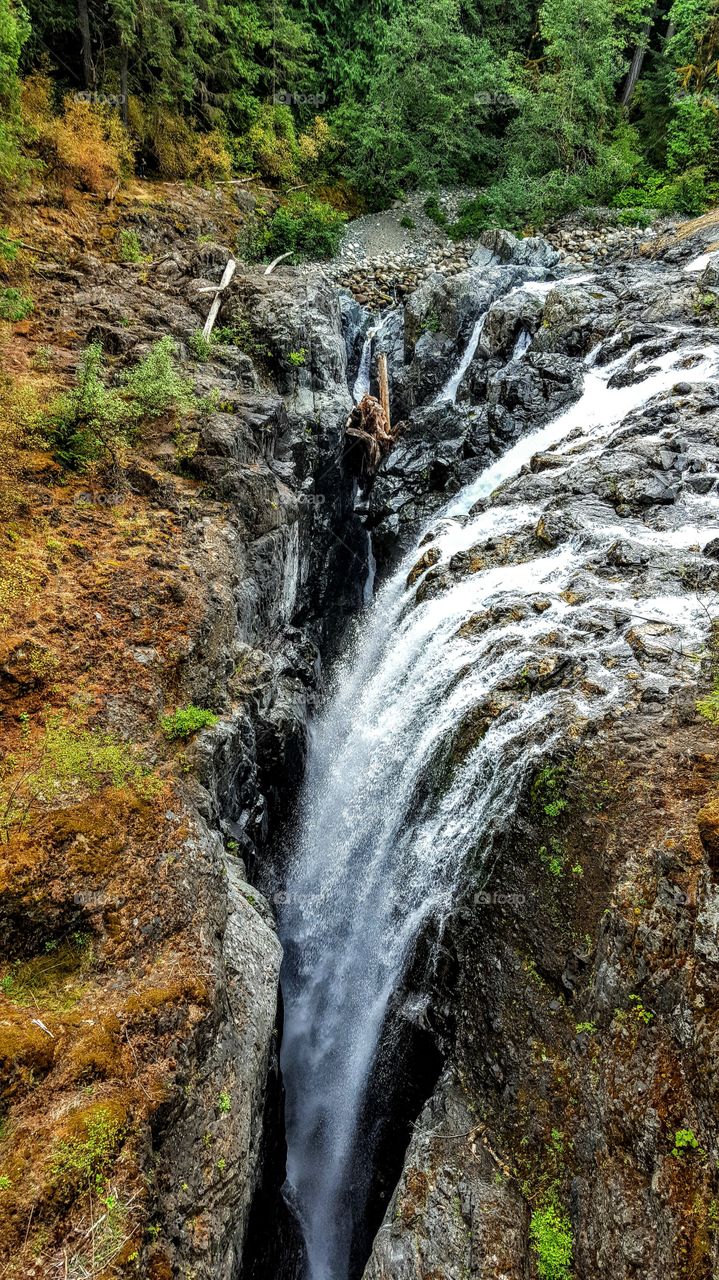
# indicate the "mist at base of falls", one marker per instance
pixel 390 813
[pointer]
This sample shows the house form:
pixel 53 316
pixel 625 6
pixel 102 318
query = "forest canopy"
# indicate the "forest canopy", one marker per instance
pixel 541 107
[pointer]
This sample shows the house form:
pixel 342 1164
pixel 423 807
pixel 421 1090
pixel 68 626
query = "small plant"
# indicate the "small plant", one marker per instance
pixel 298 358
pixel 42 359
pixel 640 1013
pixel 708 707
pixel 224 1102
pixel 406 221
pixel 435 212
pixel 685 1140
pixel 586 1028
pixel 550 1232
pixel 8 246
pixel 5 1182
pixel 547 791
pixel 81 1162
pixel 185 721
pixel 130 247
pixel 200 346
pixel 14 305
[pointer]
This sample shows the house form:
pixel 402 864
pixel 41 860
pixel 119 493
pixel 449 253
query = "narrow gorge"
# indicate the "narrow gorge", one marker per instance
pixel 417 956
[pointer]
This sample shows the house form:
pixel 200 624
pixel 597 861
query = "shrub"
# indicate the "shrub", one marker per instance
pixel 154 387
pixel 91 420
pixel 14 304
pixel 185 721
pixel 550 1233
pixel 86 144
pixel 14 31
pixel 308 227
pixel 273 147
pixel 211 159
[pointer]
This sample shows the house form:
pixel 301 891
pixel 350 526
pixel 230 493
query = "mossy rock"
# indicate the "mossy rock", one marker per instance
pixel 708 823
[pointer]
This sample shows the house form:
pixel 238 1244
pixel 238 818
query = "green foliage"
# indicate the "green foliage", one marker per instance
pixel 14 305
pixel 224 1102
pixel 407 222
pixel 708 707
pixel 154 387
pixel 422 116
pixel 14 31
pixel 586 1028
pixel 8 246
pixel 550 1233
pixel 547 791
pixel 185 721
pixel 304 225
pixel 298 358
pixel 82 1162
pixel 200 346
pixel 91 420
pixel 684 1141
pixel 130 247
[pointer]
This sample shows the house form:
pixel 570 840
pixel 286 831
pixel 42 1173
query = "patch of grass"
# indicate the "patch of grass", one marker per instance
pixel 53 980
pixel 182 723
pixel 550 1233
pixel 406 221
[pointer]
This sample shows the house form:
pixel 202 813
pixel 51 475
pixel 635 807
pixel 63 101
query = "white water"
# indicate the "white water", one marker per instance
pixel 449 391
pixel 362 381
pixel 380 843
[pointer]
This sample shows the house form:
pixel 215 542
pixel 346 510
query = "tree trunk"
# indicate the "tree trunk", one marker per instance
pixel 123 84
pixel 88 71
pixel 383 379
pixel 635 70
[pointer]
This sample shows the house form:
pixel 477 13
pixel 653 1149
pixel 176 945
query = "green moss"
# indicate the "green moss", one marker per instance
pixel 685 1141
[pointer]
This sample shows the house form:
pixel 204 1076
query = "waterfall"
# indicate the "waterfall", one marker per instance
pixel 362 381
pixel 522 345
pixel 449 392
pixel 397 798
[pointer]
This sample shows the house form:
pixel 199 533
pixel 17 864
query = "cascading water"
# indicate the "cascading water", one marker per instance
pixel 449 392
pixel 362 381
pixel 392 807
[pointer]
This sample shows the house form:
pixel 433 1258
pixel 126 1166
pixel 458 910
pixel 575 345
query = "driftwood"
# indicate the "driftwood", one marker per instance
pixel 217 289
pixel 368 439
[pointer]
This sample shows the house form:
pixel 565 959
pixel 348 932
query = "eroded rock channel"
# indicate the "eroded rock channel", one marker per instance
pixel 424 955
